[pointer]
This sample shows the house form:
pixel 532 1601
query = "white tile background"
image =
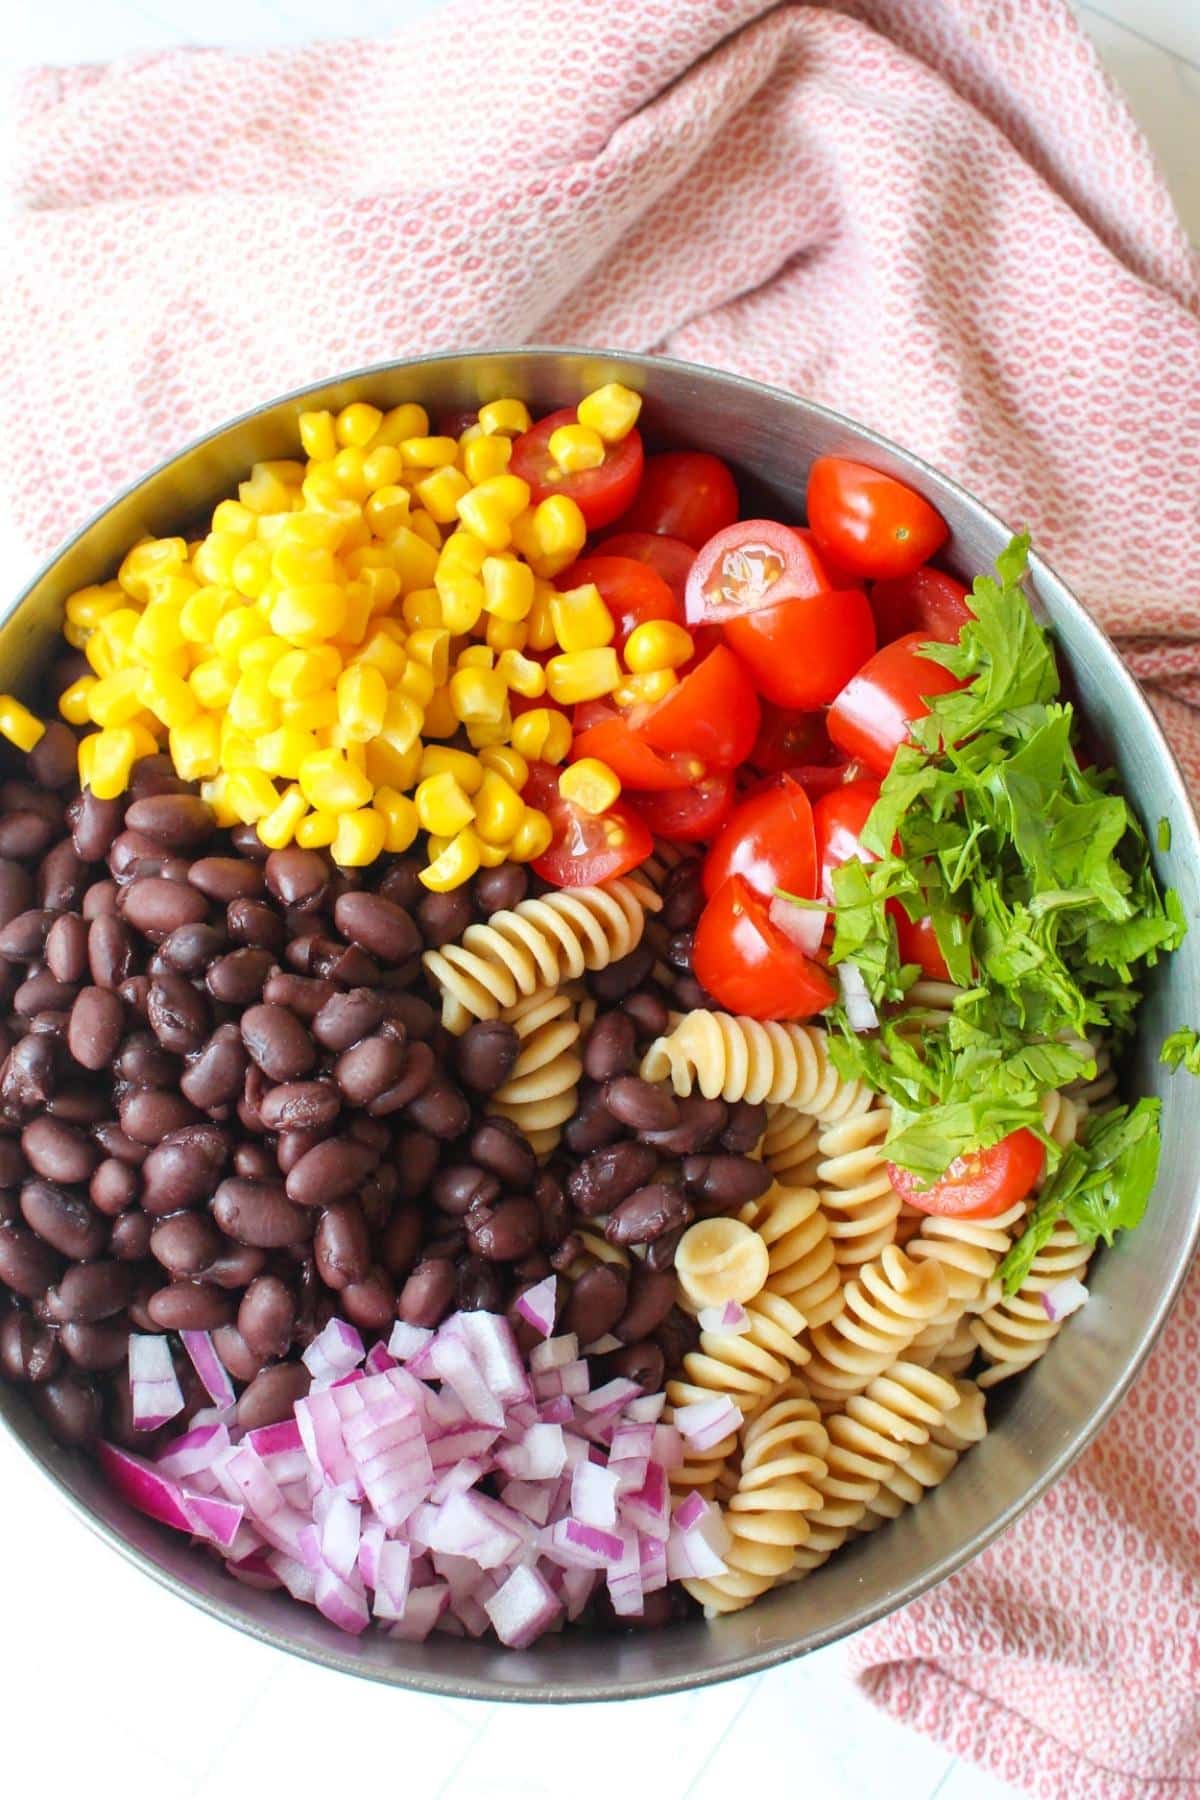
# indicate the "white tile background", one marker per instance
pixel 109 1686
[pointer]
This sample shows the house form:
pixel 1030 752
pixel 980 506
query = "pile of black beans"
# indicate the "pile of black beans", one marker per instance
pixel 227 1104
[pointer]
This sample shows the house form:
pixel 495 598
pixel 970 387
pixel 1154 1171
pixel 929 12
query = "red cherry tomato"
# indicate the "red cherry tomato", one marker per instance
pixel 749 965
pixel 635 762
pixel 691 815
pixel 788 739
pixel 802 653
pixel 838 820
pixel 917 943
pixel 631 591
pixel 839 575
pixel 584 848
pixel 870 521
pixel 751 564
pixel 667 556
pixel 684 494
pixel 769 841
pixel 602 493
pixel 870 717
pixel 980 1185
pixel 712 713
pixel 929 601
pixel 453 424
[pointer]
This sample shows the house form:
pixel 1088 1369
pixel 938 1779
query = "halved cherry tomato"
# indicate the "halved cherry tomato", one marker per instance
pixel 917 942
pixel 802 653
pixel 585 848
pixel 787 739
pixel 871 716
pixel 769 840
pixel 712 713
pixel 630 589
pixel 839 575
pixel 928 601
pixel 749 965
pixel 684 494
pixel 636 763
pixel 756 562
pixel 602 493
pixel 871 522
pixel 667 556
pixel 691 815
pixel 980 1185
pixel 838 820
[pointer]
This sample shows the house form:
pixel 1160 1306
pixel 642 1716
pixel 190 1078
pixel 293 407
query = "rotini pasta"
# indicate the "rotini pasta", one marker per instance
pixel 883 1309
pixel 790 1146
pixel 1017 1329
pixel 1098 1093
pixel 968 1252
pixel 538 944
pixel 800 1263
pixel 541 1093
pixel 720 1259
pixel 857 1195
pixel 745 1365
pixel 930 1463
pixel 743 1059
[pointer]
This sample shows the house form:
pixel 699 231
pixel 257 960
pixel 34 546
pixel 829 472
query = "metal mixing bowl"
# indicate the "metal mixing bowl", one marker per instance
pixel 1041 1421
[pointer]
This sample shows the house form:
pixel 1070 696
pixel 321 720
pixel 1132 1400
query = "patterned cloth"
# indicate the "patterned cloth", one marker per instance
pixel 938 218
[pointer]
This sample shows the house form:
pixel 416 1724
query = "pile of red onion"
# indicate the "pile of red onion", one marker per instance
pixel 440 1482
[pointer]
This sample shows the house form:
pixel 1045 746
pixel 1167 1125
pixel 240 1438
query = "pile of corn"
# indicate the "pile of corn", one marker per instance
pixel 308 660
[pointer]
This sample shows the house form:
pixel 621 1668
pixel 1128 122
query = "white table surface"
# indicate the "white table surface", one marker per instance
pixel 109 1687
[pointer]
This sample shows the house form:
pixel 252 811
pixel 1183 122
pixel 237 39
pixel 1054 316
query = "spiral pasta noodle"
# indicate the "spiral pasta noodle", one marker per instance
pixel 746 1366
pixel 1097 1093
pixel 790 1146
pixel 1017 1329
pixel 537 944
pixel 721 1259
pixel 542 1090
pixel 884 1307
pixel 800 1264
pixel 744 1059
pixel 930 1463
pixel 856 1191
pixel 968 1251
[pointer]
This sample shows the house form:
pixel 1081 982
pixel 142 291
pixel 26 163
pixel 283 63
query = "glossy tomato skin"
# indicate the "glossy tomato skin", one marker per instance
pixel 749 965
pixel 870 718
pixel 929 601
pixel 636 763
pixel 840 576
pixel 602 494
pixel 712 713
pixel 769 841
pixel 669 557
pixel 802 653
pixel 753 563
pixel 838 820
pixel 684 494
pixel 691 815
pixel 980 1185
pixel 871 522
pixel 584 849
pixel 917 942
pixel 788 739
pixel 631 590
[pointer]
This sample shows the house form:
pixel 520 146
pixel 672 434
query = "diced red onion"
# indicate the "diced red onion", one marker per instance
pixel 624 1579
pixel 378 1359
pixel 585 1546
pixel 570 1378
pixel 465 1528
pixel 576 1587
pixel 1064 1298
pixel 144 1486
pixel 646 1410
pixel 214 1518
pixel 538 1304
pixel 649 1507
pixel 282 1450
pixel 668 1447
pixel 611 1397
pixel 495 1352
pixel 193 1453
pixel 468 1441
pixel 558 1411
pixel 730 1320
pixel 554 1353
pixel 594 1495
pixel 334 1352
pixel 393 1580
pixel 343 1603
pixel 602 1345
pixel 457 1477
pixel 703 1424
pixel 533 1499
pixel 153 1384
pixel 341 1534
pixel 453 1363
pixel 632 1440
pixel 208 1366
pixel 804 925
pixel 859 1010
pixel 370 1541
pixel 540 1455
pixel 320 1424
pixel 300 1582
pixel 424 1608
pixel 522 1608
pixel 407 1340
pixel 653 1555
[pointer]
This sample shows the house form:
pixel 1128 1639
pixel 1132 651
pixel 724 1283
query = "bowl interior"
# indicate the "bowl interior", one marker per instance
pixel 1040 1421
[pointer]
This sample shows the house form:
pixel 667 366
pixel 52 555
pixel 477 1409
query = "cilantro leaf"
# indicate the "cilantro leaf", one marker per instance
pixel 1182 1047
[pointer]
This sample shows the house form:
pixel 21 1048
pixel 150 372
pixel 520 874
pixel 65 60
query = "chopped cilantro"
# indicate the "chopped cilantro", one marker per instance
pixel 1182 1048
pixel 1164 835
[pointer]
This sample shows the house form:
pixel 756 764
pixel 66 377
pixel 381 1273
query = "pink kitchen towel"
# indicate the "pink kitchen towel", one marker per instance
pixel 937 217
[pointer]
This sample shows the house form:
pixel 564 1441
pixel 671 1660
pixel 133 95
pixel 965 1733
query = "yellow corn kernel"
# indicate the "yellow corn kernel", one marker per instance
pixel 307 615
pixel 262 653
pixel 349 472
pixel 332 783
pixel 252 569
pixel 277 828
pixel 316 712
pixel 416 560
pixel 582 675
pixel 399 817
pixel 403 716
pixel 169 698
pixel 489 509
pixel 271 486
pixel 252 706
pixel 73 701
pixel 428 452
pixel 550 535
pixel 644 690
pixel 282 751
pixel 146 561
pixel 532 838
pixel 380 587
pixel 440 493
pixel 383 467
pixel 213 560
pixel 316 830
pixel 387 767
pixel 196 747
pixel 521 675
pixel 507 417
pixel 357 423
pixel 86 757
pixel 507 586
pixel 499 809
pixel 475 656
pixel 147 733
pixel 506 634
pixel 299 565
pixel 463 550
pixel 387 509
pixel 299 674
pixel 320 530
pixel 318 435
pixel 91 604
pixel 362 698
pixel 212 682
pixel 542 735
pixel 426 527
pixel 357 621
pixel 407 421
pixel 658 644
pixel 371 555
pixel 238 749
pixel 461 596
pixel 199 615
pixel 251 794
pixel 431 648
pixel 540 621
pixel 232 519
pixel 581 619
pixel 478 696
pixel 18 724
pixel 359 838
pixel 612 411
pixel 483 733
pixel 482 457
pixel 383 653
pixel 589 784
pixel 117 633
pixel 237 628
pixel 116 699
pixel 492 855
pixel 442 805
pixel 422 610
pixel 507 762
pixel 441 720
pixel 456 863
pixel 417 683
pixel 439 759
pixel 112 755
pixel 575 447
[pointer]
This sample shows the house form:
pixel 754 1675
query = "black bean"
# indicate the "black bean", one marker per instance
pixel 25 835
pixel 372 1132
pixel 642 1362
pixel 99 900
pixel 255 1161
pixel 185 1243
pixel 678 1334
pixel 113 1141
pixel 725 1182
pixel 593 1125
pixel 439 1107
pixel 272 1395
pixel 610 1047
pixel 660 1255
pixel 98 1347
pixel 345 1018
pixel 144 1063
pixel 237 978
pixel 484 1055
pixel 301 1106
pixel 65 1221
pixel 71 1407
pixel 41 994
pixel 620 978
pixel 419 1065
pixel 330 1171
pixel 699 1124
pixel 345 963
pixel 567 1252
pixel 499 1146
pixel 683 897
pixel 58 1151
pixel 190 1306
pixel 22 938
pixel 190 950
pixel 444 917
pixel 460 1186
pixel 226 878
pixel 237 1355
pixel 235 1266
pixel 416 1157
pixel 500 889
pixel 506 1231
pixel 246 842
pixel 62 878
pixel 52 761
pixel 640 1105
pixel 596 1301
pixel 215 1075
pixel 304 995
pixel 368 1068
pixel 28 1076
pixel 76 1103
pixel 253 922
pixel 110 950
pixel 296 1142
pixel 649 1013
pixel 180 821
pixel 378 926
pixel 259 1213
pixel 94 824
pixel 66 948
pixel 178 1013
pixel 410 1014
pixel 400 881
pixel 651 1297
pixel 482 1286
pixel 679 952
pixel 401 1240
pixel 129 1238
pixel 90 1291
pixel 609 1176
pixel 647 1214
pixel 184 1169
pixel 113 1187
pixel 370 1303
pixel 25 796
pixel 28 1350
pixel 427 1295
pixel 342 1245
pixel 267 1316
pixel 278 1042
pixel 297 877
pixel 156 907
pixel 16 891
pixel 154 775
pixel 689 996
